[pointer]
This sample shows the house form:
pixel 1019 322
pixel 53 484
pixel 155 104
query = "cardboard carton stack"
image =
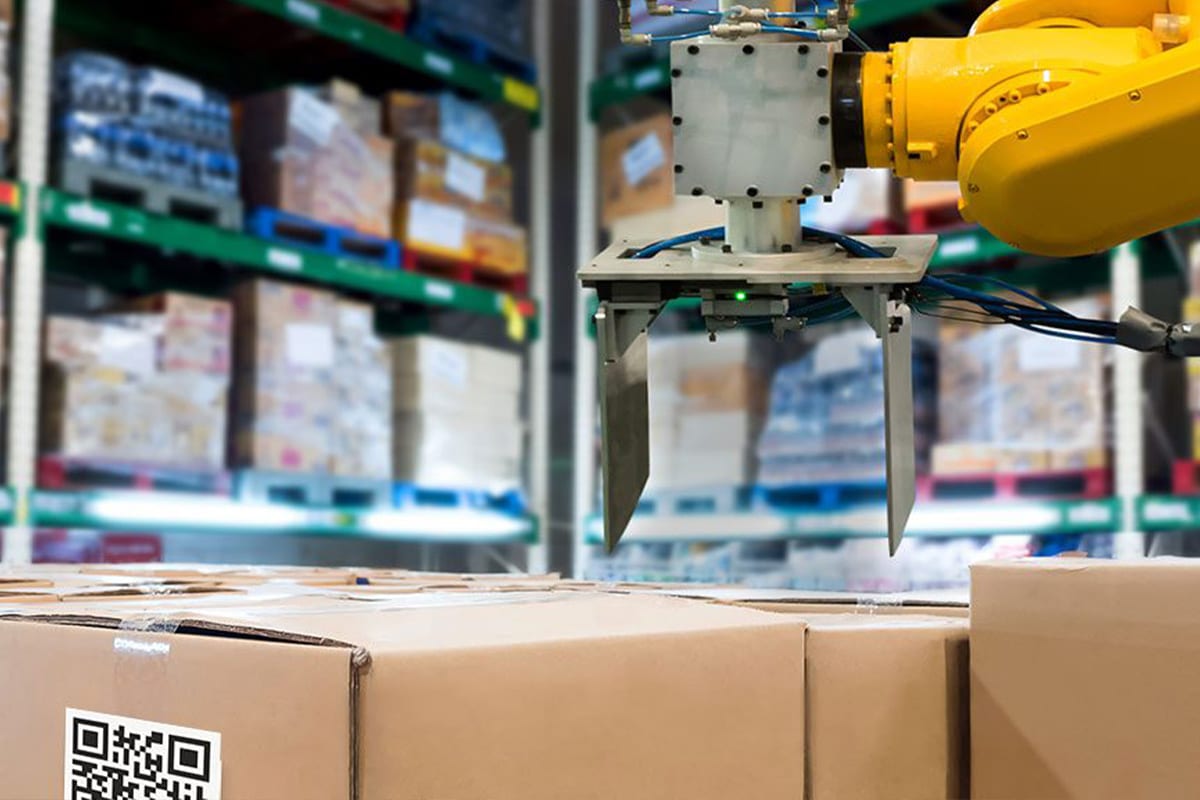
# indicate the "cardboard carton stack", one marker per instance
pixel 636 169
pixel 148 385
pixel 318 159
pixel 1191 313
pixel 457 414
pixel 706 426
pixel 285 401
pixel 362 372
pixel 454 195
pixel 1010 401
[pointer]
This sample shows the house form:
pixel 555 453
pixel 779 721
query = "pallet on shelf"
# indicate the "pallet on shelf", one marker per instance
pixel 1087 484
pixel 435 31
pixel 96 182
pixel 463 271
pixel 294 230
pixel 75 473
pixel 410 495
pixel 828 496
pixel 706 500
pixel 311 490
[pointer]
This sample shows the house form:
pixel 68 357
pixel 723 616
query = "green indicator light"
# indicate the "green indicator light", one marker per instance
pixel 740 297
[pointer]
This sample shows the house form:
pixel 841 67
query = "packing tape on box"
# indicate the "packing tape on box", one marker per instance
pixel 141 659
pixel 869 604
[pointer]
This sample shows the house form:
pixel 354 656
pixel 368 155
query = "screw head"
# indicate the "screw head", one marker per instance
pixel 697 191
pixel 827 168
pixel 748 49
pixel 787 248
pixel 752 191
pixel 822 72
pixel 1022 135
pixel 1135 95
pixel 679 169
pixel 676 73
pixel 802 49
pixel 693 50
pixel 726 248
pixel 824 119
pixel 677 121
pixel 757 205
pixel 808 191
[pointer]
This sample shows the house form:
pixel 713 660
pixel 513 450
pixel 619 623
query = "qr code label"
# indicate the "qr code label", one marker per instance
pixel 120 758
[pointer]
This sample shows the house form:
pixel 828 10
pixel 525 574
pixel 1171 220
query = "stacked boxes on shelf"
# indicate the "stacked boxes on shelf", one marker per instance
pixel 454 191
pixel 117 123
pixel 6 22
pixel 636 169
pixel 1191 313
pixel 707 409
pixel 494 32
pixel 285 401
pixel 362 374
pixel 457 417
pixel 1013 402
pixel 315 154
pixel 827 413
pixel 147 385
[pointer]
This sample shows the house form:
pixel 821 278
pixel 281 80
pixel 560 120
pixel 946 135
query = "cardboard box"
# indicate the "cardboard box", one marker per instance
pixel 197 332
pixel 419 696
pixel 461 125
pixel 300 155
pixel 362 433
pixel 637 169
pixel 361 112
pixel 448 232
pixel 498 247
pixel 426 169
pixel 1081 676
pixel 285 399
pixel 437 449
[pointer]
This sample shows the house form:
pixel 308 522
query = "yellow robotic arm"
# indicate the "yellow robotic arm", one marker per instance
pixel 1071 125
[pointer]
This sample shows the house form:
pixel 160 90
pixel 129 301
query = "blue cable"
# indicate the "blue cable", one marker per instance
pixel 679 37
pixel 803 33
pixel 650 251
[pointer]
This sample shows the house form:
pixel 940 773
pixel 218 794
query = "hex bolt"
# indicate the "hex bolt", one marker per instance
pixel 787 248
pixel 705 241
pixel 752 191
pixel 757 205
pixel 726 248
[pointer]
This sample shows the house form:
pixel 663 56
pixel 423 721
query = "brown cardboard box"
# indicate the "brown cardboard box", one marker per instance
pixel 636 169
pixel 361 112
pixel 299 155
pixel 362 433
pixel 498 247
pixel 284 394
pixel 197 332
pixel 722 388
pixel 449 232
pixel 1081 679
pixel 426 169
pixel 499 696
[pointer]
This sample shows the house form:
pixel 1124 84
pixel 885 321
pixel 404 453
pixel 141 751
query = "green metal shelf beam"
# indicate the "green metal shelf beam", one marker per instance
pixel 387 44
pixel 152 512
pixel 929 521
pixel 119 222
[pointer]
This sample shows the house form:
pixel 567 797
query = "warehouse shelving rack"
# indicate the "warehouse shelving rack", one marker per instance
pixel 1129 513
pixel 37 211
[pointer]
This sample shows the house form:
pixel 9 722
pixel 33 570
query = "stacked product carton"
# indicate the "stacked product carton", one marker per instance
pixel 452 203
pixel 317 159
pixel 827 413
pixel 362 372
pixel 705 426
pixel 285 401
pixel 1191 313
pixel 636 169
pixel 1011 401
pixel 457 414
pixel 149 385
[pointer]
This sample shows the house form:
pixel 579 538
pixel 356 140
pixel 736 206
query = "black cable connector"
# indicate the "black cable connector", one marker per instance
pixel 1138 330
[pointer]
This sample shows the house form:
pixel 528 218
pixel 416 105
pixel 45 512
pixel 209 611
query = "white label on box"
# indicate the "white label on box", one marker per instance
pixel 131 351
pixel 466 177
pixel 111 756
pixel 1041 353
pixel 436 224
pixel 309 345
pixel 174 85
pixel 303 10
pixel 644 157
pixel 313 117
pixel 449 363
pixel 285 259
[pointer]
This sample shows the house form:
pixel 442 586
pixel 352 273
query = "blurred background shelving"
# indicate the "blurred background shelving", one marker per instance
pixel 164 401
pixel 1029 484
